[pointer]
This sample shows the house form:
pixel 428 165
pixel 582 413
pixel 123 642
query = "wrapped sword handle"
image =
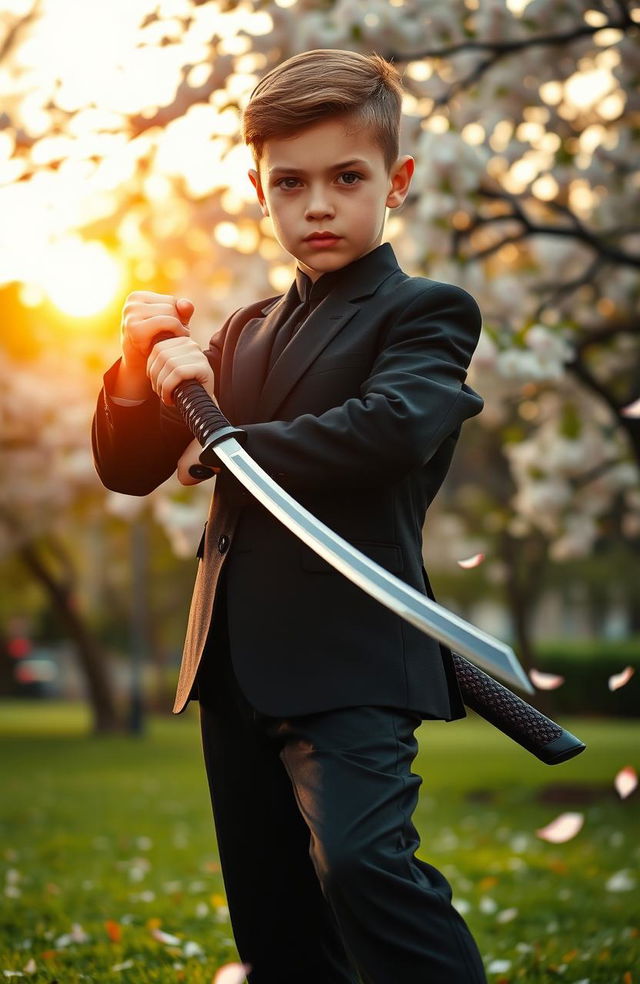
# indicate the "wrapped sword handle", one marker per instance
pixel 204 419
pixel 518 720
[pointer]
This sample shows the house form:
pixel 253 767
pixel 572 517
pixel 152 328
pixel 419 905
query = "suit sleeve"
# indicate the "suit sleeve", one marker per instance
pixel 137 448
pixel 414 397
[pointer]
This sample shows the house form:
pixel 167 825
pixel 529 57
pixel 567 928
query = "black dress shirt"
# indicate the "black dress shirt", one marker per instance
pixel 309 295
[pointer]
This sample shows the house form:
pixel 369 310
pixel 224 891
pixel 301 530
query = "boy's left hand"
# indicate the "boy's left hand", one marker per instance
pixel 175 360
pixel 191 456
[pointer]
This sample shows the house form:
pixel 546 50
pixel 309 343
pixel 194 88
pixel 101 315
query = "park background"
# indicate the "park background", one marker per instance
pixel 121 168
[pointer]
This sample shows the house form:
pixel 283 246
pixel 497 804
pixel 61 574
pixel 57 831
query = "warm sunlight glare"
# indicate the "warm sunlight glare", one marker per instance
pixel 81 278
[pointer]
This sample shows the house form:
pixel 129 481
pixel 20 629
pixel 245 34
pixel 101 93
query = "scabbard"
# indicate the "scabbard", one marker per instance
pixel 483 694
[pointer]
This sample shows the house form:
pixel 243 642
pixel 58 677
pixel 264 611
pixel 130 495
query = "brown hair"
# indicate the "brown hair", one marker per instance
pixel 326 82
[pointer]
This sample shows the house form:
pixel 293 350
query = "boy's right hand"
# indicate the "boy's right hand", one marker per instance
pixel 146 314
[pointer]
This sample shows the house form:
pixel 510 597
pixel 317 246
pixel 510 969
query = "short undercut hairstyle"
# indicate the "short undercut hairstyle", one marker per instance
pixel 322 84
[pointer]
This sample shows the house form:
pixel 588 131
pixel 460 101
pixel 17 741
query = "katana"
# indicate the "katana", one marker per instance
pixel 221 443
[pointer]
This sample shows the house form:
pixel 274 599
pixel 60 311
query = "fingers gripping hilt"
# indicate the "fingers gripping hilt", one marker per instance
pixel 202 416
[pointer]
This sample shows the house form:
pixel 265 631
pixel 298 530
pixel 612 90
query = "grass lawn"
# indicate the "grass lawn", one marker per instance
pixel 105 842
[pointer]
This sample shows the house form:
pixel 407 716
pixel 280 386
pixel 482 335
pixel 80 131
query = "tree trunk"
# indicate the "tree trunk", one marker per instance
pixel 525 560
pixel 519 600
pixel 90 654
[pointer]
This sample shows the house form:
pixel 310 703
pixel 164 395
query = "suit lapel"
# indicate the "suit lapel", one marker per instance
pixel 306 345
pixel 257 393
pixel 251 358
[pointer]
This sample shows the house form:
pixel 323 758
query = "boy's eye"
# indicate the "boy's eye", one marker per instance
pixel 350 178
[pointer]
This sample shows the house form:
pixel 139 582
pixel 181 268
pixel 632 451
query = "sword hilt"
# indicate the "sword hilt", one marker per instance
pixel 202 416
pixel 518 720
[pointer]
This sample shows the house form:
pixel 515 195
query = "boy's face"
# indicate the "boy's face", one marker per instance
pixel 329 178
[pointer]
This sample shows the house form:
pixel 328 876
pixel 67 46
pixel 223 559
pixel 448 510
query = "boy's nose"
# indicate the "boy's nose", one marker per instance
pixel 319 205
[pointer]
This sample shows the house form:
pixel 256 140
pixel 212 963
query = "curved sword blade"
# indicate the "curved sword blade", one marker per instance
pixel 481 648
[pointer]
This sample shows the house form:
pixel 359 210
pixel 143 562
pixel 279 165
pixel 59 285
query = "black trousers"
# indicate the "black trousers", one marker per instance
pixel 316 841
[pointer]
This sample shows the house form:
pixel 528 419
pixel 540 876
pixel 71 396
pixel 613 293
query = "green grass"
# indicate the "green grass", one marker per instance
pixel 115 835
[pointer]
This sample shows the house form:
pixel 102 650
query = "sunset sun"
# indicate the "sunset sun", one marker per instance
pixel 81 278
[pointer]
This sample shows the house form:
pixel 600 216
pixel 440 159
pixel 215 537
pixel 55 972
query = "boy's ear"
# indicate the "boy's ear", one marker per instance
pixel 400 177
pixel 254 178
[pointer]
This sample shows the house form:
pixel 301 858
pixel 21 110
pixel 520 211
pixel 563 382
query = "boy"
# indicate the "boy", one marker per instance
pixel 350 389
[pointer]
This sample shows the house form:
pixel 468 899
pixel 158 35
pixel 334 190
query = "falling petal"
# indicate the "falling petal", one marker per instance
pixel 626 781
pixel 506 915
pixel 13 973
pixel 563 828
pixel 30 967
pixel 192 949
pixel 78 934
pixel 545 681
pixel 471 561
pixel 125 965
pixel 621 881
pixel 487 905
pixel 631 409
pixel 233 973
pixel 619 679
pixel 163 937
pixel 499 966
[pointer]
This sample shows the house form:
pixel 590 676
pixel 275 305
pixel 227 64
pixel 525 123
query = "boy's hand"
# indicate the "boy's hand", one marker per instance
pixel 175 360
pixel 171 361
pixel 145 314
pixel 191 456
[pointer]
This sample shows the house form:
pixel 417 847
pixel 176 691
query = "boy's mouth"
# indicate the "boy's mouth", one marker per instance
pixel 321 238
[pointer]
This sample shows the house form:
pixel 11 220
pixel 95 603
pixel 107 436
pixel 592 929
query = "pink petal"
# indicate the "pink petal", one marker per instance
pixel 163 937
pixel 545 681
pixel 563 828
pixel 626 781
pixel 471 561
pixel 632 409
pixel 619 679
pixel 233 973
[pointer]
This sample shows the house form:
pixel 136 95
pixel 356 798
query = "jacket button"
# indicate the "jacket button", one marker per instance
pixel 223 543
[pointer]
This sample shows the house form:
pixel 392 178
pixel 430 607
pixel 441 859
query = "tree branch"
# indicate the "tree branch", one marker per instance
pixel 563 290
pixel 501 49
pixel 605 333
pixel 577 230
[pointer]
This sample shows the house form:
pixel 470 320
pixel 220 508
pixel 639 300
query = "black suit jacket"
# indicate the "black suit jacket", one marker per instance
pixel 358 419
